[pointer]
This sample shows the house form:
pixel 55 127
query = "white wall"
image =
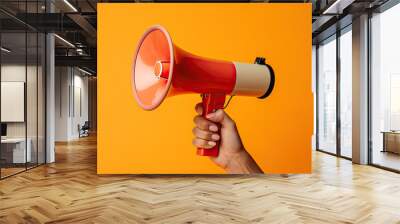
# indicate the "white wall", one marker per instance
pixel 33 127
pixel 13 101
pixel 80 84
pixel 16 73
pixel 62 81
pixel 71 94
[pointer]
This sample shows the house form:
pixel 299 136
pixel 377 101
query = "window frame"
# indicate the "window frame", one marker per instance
pixel 381 9
pixel 334 37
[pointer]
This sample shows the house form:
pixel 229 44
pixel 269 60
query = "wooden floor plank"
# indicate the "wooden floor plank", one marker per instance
pixel 70 191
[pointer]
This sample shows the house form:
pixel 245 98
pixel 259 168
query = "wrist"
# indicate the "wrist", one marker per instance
pixel 242 163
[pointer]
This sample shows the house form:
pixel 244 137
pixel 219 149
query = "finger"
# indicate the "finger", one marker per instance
pixel 220 116
pixel 206 135
pixel 199 108
pixel 205 124
pixel 201 143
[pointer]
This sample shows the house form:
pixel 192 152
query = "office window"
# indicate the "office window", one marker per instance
pixel 327 95
pixel 385 88
pixel 346 93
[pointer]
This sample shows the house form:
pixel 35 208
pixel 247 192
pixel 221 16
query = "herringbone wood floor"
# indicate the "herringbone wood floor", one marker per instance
pixel 69 191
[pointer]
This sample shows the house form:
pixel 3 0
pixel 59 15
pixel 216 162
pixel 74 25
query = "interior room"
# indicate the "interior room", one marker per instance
pixel 22 101
pixel 49 127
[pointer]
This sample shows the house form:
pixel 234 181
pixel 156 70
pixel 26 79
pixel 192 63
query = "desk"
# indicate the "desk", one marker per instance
pixel 391 141
pixel 15 148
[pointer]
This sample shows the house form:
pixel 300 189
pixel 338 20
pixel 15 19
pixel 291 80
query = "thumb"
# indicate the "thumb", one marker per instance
pixel 221 117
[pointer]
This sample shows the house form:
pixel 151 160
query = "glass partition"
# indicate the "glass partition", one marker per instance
pixel 14 153
pixel 22 77
pixel 41 107
pixel 327 96
pixel 33 65
pixel 31 100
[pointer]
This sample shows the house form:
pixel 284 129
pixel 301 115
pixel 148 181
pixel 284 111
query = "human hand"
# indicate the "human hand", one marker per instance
pixel 232 157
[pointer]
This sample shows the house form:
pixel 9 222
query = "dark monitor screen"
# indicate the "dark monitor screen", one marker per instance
pixel 3 129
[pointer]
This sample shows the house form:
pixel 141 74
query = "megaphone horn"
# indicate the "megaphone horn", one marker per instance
pixel 161 69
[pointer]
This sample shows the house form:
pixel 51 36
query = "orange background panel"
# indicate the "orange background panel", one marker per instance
pixel 276 131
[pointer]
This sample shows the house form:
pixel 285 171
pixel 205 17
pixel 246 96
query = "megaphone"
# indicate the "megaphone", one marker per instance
pixel 161 69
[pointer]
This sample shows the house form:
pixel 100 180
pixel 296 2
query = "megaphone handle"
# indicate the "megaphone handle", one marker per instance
pixel 212 102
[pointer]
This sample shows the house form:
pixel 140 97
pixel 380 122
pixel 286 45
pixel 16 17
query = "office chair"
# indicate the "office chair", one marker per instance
pixel 84 130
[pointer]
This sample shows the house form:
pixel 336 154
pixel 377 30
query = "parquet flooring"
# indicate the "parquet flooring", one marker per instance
pixel 70 191
pixel 10 171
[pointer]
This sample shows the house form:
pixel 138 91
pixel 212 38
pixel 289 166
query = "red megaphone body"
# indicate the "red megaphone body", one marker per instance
pixel 161 69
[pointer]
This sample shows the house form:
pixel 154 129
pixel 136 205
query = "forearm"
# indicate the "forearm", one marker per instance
pixel 243 163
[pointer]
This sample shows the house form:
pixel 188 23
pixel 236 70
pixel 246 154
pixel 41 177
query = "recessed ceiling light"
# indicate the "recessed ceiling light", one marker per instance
pixel 338 6
pixel 84 71
pixel 5 50
pixel 70 5
pixel 64 40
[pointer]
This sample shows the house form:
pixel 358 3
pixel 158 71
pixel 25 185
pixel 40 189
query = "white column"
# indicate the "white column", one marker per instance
pixel 50 99
pixel 360 90
pixel 50 92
